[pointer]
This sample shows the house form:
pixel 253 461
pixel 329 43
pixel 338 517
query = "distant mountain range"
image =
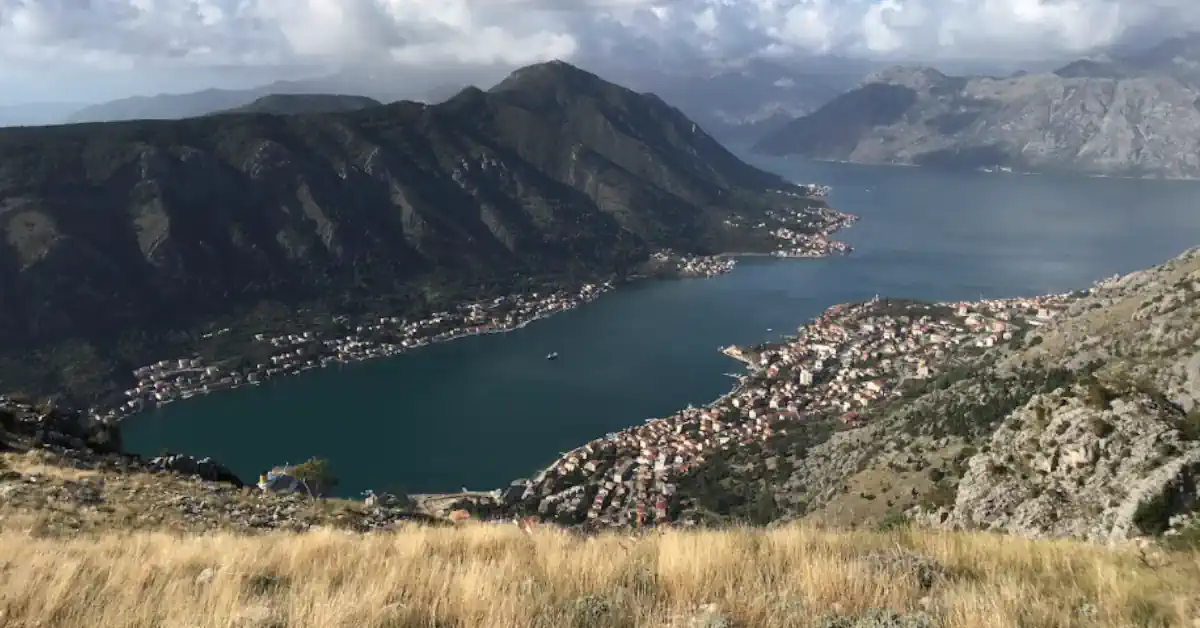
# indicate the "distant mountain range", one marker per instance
pixel 1135 115
pixel 292 104
pixel 201 103
pixel 114 236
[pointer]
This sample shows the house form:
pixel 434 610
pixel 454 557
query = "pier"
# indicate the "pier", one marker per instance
pixel 737 353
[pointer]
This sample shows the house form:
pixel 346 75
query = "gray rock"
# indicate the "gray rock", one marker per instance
pixel 204 468
pixel 879 619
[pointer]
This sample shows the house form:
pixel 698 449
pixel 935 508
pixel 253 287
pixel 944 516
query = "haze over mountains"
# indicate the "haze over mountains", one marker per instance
pixel 735 102
pixel 1136 114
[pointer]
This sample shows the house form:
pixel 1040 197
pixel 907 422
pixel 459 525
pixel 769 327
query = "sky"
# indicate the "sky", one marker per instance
pixel 94 50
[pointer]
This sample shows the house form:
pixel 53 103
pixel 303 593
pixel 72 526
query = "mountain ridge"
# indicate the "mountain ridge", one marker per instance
pixel 1088 117
pixel 291 104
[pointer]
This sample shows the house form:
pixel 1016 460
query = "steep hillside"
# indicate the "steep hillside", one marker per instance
pixel 1084 423
pixel 1090 117
pixel 291 104
pixel 116 237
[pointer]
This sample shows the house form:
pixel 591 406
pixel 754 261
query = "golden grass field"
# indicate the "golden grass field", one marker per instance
pixel 497 576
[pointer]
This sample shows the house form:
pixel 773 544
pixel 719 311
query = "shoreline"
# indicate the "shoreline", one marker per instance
pixel 150 394
pixel 434 340
pixel 630 476
pixel 814 245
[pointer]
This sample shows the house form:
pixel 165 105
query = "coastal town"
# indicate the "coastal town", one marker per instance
pixel 848 360
pixel 171 380
pixel 801 232
pixel 813 240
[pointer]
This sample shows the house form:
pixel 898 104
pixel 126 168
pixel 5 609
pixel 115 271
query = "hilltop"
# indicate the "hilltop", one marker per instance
pixel 1129 116
pixel 123 243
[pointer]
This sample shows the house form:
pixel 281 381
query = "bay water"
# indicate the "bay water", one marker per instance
pixel 481 411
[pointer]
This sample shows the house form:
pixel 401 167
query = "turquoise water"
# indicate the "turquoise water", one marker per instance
pixel 481 411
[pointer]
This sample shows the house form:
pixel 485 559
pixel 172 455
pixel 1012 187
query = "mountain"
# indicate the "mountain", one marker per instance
pixel 174 106
pixel 120 237
pixel 290 104
pixel 1086 119
pixel 746 100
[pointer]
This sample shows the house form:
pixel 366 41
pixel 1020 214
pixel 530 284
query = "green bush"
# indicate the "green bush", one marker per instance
pixel 315 475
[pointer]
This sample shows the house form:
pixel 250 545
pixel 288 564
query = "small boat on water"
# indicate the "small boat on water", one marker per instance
pixel 553 355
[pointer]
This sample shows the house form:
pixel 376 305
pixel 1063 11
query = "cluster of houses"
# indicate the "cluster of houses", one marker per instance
pixel 800 244
pixel 809 190
pixel 168 380
pixel 695 265
pixel 850 358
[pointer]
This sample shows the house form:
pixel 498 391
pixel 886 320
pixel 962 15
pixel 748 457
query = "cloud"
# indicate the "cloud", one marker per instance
pixel 125 34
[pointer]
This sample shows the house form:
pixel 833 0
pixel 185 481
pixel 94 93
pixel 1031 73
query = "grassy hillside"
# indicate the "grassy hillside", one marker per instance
pixel 498 577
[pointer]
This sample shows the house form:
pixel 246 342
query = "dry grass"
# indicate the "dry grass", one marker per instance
pixel 497 577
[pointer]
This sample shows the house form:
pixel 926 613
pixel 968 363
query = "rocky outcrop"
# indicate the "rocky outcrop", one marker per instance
pixel 1115 454
pixel 1061 467
pixel 81 440
pixel 67 472
pixel 25 425
pixel 203 468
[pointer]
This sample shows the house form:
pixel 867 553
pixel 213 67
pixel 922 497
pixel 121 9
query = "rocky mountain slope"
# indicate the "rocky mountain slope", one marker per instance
pixel 1089 118
pixel 292 104
pixel 1088 427
pixel 118 235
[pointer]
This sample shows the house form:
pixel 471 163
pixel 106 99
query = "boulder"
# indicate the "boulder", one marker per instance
pixel 203 468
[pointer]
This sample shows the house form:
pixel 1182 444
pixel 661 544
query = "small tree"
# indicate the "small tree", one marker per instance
pixel 315 475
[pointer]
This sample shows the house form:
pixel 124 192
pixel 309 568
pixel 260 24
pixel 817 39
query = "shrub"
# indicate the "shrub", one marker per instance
pixel 1189 426
pixel 316 476
pixel 1101 428
pixel 1098 396
pixel 1153 516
